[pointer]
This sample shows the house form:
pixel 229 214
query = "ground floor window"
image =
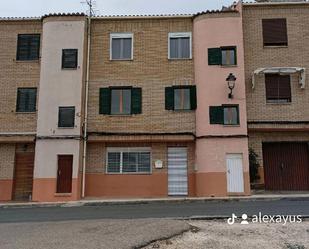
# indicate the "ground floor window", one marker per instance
pixel 128 160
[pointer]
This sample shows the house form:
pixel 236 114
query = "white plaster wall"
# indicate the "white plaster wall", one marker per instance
pixel 59 87
pixel 46 156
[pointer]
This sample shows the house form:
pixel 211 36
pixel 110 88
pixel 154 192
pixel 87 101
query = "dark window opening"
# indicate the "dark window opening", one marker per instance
pixel 275 32
pixel 26 100
pixel 66 117
pixel 278 88
pixel 28 47
pixel 69 58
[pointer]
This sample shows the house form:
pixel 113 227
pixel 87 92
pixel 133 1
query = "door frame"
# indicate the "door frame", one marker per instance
pixel 238 156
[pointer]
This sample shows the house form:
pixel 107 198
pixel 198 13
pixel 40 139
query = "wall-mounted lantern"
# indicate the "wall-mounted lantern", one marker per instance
pixel 231 79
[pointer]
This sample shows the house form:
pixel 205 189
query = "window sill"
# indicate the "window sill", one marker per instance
pixel 129 174
pixel 121 59
pixel 70 69
pixel 25 112
pixel 183 110
pixel 276 46
pixel 66 128
pixel 63 194
pixel 282 103
pixel 228 66
pixel 179 59
pixel 27 61
pixel 121 115
pixel 237 125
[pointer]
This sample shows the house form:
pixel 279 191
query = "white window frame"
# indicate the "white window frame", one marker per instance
pixel 120 35
pixel 121 150
pixel 179 35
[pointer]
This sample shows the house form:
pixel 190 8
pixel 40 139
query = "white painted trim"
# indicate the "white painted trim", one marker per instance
pixel 120 35
pixel 179 35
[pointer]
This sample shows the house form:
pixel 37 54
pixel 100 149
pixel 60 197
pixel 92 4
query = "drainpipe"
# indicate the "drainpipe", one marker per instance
pixel 86 105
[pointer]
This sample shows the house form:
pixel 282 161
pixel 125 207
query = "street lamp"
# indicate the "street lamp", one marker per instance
pixel 231 79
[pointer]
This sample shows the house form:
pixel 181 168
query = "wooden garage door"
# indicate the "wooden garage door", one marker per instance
pixel 23 176
pixel 286 166
pixel 64 174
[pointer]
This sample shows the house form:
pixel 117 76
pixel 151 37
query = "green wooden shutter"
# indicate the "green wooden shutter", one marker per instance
pixel 193 97
pixel 214 56
pixel 105 101
pixel 136 100
pixel 169 98
pixel 216 115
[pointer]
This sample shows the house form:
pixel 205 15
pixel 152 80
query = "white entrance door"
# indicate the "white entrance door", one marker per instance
pixel 177 172
pixel 235 176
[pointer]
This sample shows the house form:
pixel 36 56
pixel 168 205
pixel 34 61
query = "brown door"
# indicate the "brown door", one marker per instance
pixel 64 174
pixel 286 166
pixel 23 176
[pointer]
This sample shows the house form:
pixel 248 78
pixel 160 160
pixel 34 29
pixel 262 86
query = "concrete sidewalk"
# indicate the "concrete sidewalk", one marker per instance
pixel 101 202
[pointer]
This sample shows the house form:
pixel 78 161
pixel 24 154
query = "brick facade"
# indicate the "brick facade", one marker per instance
pixel 16 74
pixel 150 69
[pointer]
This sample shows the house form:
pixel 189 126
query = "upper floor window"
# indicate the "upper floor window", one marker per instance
pixel 28 47
pixel 26 100
pixel 69 58
pixel 278 88
pixel 225 114
pixel 121 47
pixel 180 45
pixel 225 56
pixel 120 101
pixel 180 98
pixel 275 32
pixel 66 117
pixel 128 160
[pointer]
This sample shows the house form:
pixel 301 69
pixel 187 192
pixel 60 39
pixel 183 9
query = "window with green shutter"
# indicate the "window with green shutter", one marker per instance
pixel 216 115
pixel 180 98
pixel 224 115
pixel 120 101
pixel 214 56
pixel 225 56
pixel 26 100
pixel 28 47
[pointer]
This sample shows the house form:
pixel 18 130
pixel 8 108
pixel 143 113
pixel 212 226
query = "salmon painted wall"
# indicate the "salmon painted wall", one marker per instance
pixel 214 142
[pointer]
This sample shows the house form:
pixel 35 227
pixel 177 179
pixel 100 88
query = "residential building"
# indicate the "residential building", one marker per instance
pixel 167 104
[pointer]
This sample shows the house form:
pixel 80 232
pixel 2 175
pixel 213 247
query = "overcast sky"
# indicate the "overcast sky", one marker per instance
pixel 19 8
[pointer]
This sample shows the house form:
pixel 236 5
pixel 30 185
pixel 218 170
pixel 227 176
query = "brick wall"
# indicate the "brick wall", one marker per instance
pixel 150 70
pixel 96 155
pixel 295 55
pixel 16 74
pixel 7 156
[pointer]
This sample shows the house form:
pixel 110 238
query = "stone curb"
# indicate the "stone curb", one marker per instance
pixel 147 201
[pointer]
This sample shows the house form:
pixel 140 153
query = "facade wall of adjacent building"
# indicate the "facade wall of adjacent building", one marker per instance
pixel 155 184
pixel 150 69
pixel 256 140
pixel 7 156
pixel 296 54
pixel 16 74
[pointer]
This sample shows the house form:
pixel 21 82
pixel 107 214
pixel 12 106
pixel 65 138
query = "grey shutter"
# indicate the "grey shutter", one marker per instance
pixel 169 98
pixel 105 101
pixel 216 115
pixel 193 98
pixel 26 100
pixel 214 56
pixel 136 100
pixel 28 47
pixel 69 58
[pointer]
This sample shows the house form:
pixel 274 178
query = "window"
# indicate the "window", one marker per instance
pixel 180 98
pixel 225 114
pixel 121 46
pixel 69 58
pixel 28 47
pixel 230 114
pixel 26 100
pixel 180 45
pixel 66 117
pixel 278 88
pixel 225 56
pixel 275 32
pixel 128 160
pixel 120 101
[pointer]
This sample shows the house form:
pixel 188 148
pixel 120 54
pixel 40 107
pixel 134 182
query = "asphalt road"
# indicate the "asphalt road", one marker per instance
pixel 156 210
